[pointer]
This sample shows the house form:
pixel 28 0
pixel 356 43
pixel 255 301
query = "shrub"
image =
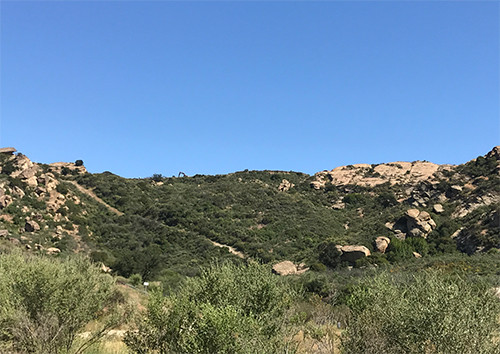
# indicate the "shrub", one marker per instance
pixel 62 188
pixel 79 163
pixel 329 255
pixel 228 309
pixel 424 313
pixel 45 301
pixel 135 279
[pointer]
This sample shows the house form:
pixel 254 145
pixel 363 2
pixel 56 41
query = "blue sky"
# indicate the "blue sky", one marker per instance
pixel 138 88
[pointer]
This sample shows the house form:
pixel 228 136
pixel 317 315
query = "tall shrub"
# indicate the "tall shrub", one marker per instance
pixel 424 313
pixel 227 309
pixel 45 301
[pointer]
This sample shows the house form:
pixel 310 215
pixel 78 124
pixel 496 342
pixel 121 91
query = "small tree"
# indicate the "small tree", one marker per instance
pixel 79 163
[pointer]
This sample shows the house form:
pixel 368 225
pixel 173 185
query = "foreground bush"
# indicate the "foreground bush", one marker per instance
pixel 227 309
pixel 45 301
pixel 424 313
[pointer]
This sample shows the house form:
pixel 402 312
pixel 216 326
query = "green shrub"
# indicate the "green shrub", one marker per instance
pixel 135 279
pixel 329 255
pixel 44 301
pixel 228 309
pixel 62 188
pixel 79 163
pixel 423 313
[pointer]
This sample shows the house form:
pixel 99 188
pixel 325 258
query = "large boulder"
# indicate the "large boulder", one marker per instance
pixel 5 200
pixel 414 223
pixel 31 226
pixel 285 185
pixel 352 253
pixel 381 243
pixel 289 268
pixel 419 223
pixel 438 208
pixel 7 150
pixel 53 250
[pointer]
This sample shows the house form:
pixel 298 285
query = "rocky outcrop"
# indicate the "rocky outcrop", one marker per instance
pixel 7 150
pixel 31 226
pixel 60 167
pixel 438 208
pixel 289 268
pixel 415 223
pixel 285 186
pixel 5 200
pixel 352 253
pixel 366 175
pixel 52 250
pixel 381 243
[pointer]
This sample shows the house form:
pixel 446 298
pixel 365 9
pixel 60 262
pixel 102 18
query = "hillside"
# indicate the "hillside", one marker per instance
pixel 165 227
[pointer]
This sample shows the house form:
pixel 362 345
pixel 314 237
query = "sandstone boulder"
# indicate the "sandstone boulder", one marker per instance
pixel 289 268
pixel 418 224
pixel 53 250
pixel 438 208
pixel 5 200
pixel 31 226
pixel 285 185
pixel 7 150
pixel 352 253
pixel 381 243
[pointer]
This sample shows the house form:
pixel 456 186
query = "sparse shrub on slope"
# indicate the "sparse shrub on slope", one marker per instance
pixel 423 313
pixel 227 309
pixel 44 301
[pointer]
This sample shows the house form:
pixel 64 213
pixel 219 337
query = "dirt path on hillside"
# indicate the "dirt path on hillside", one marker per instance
pixel 95 197
pixel 231 249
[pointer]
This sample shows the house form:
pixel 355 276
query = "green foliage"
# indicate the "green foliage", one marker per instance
pixel 135 279
pixel 79 163
pixel 481 166
pixel 329 254
pixel 399 250
pixel 355 199
pixel 227 309
pixel 45 301
pixel 62 188
pixel 423 313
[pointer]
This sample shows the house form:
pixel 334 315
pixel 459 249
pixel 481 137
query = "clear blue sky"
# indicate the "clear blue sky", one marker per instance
pixel 139 88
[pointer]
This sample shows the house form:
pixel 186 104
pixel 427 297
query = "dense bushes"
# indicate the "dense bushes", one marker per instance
pixel 422 313
pixel 227 309
pixel 44 302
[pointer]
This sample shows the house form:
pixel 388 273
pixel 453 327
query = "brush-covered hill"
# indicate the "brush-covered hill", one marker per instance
pixel 164 227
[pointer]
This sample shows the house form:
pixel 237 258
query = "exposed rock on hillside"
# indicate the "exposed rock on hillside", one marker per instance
pixel 71 167
pixel 352 253
pixel 285 185
pixel 289 268
pixel 381 243
pixel 409 173
pixel 415 223
pixel 31 226
pixel 7 150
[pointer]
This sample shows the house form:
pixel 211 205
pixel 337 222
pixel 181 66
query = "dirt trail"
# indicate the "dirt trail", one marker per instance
pixel 231 249
pixel 95 197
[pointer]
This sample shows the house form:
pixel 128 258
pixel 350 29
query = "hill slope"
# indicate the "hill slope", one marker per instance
pixel 160 227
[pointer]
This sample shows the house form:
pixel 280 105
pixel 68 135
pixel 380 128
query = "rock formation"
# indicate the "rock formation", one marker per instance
pixel 415 223
pixel 289 268
pixel 381 243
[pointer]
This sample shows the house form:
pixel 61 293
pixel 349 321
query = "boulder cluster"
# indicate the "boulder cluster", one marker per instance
pixel 414 223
